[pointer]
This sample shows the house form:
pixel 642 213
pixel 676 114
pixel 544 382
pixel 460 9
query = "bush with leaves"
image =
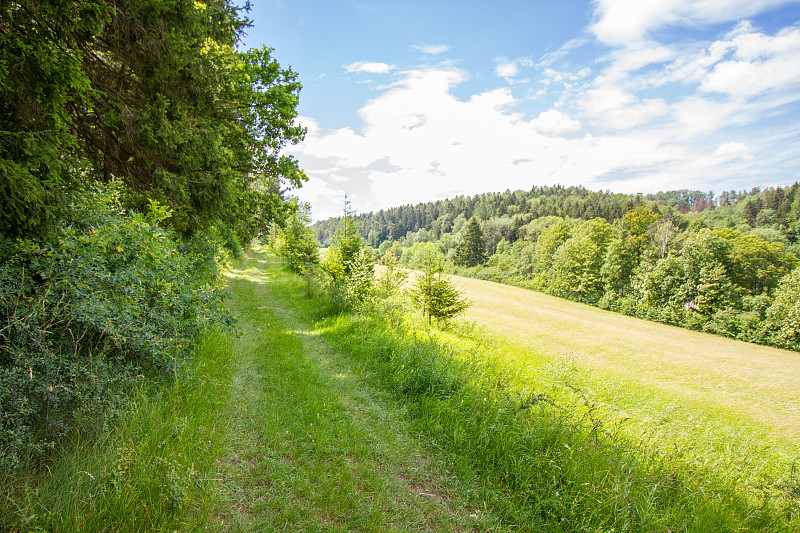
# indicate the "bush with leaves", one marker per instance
pixel 347 267
pixel 576 270
pixel 154 92
pixel 112 297
pixel 783 316
pixel 349 284
pixel 296 242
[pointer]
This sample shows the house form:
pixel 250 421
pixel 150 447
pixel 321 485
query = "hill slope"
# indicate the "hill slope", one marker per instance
pixel 759 383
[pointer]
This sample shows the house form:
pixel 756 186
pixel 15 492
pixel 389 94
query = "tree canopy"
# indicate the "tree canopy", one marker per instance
pixel 150 92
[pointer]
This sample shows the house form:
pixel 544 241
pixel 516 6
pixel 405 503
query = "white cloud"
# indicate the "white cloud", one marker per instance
pixel 733 81
pixel 697 116
pixel 621 22
pixel 506 70
pixel 646 116
pixel 636 57
pixel 758 63
pixel 733 150
pixel 554 122
pixel 509 69
pixel 369 67
pixel 551 57
pixel 432 49
pixel 418 141
pixel 617 109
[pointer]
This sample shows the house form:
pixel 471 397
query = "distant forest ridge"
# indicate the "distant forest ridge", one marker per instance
pixel 773 206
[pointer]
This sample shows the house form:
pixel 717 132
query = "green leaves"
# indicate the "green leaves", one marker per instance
pixel 783 316
pixel 296 242
pixel 112 297
pixel 151 92
pixel 577 264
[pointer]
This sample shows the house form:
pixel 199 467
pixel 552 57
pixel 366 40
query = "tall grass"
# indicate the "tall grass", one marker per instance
pixel 312 447
pixel 546 458
pixel 267 430
pixel 155 471
pixel 272 430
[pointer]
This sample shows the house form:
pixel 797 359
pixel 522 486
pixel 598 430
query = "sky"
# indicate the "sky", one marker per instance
pixel 414 101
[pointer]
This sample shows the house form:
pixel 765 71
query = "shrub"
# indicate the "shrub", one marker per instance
pixel 783 316
pixel 296 242
pixel 111 298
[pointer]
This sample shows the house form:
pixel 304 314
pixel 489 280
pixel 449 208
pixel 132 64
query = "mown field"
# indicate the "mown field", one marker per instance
pixel 721 409
pixel 651 369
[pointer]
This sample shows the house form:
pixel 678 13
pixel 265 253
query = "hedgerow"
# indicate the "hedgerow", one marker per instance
pixel 86 315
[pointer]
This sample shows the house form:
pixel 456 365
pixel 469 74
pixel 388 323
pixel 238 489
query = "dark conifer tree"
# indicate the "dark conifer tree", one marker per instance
pixel 471 251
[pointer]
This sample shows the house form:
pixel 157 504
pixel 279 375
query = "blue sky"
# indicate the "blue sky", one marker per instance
pixel 408 102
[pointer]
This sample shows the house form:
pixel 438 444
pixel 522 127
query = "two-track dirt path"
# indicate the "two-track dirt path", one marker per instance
pixel 311 446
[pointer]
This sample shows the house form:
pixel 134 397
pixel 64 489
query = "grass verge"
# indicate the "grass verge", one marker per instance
pixel 544 460
pixel 155 471
pixel 546 455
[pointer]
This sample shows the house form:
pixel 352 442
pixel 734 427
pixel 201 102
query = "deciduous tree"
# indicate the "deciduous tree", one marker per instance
pixel 783 316
pixel 577 264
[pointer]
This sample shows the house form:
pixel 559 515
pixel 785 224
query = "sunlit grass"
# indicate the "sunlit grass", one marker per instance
pixel 267 430
pixel 566 433
pixel 311 448
pixel 377 423
pixel 728 406
pixel 757 383
pixel 155 471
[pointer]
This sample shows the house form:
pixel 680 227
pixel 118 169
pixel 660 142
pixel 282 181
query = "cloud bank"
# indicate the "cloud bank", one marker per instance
pixel 646 115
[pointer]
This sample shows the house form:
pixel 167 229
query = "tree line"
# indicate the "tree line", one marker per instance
pixel 724 263
pixel 521 207
pixel 139 147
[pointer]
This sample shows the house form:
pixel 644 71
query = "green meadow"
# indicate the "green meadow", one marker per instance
pixel 719 393
pixel 533 414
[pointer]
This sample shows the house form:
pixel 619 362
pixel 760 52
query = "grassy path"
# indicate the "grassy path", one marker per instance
pixel 269 430
pixel 299 425
pixel 310 447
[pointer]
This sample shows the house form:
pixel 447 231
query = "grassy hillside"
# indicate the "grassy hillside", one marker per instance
pixel 666 364
pixel 724 265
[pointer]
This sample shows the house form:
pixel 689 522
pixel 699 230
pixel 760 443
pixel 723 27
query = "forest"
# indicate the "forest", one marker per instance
pixel 721 263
